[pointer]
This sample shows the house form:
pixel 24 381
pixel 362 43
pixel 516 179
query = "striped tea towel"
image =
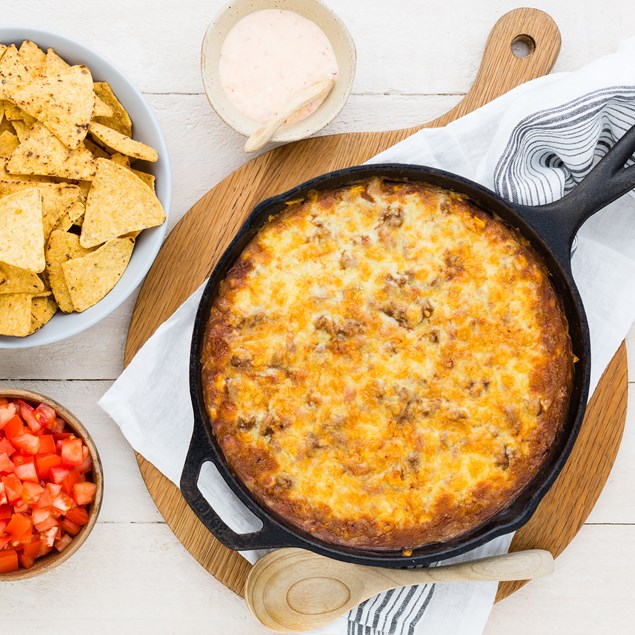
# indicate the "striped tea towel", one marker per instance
pixel 531 145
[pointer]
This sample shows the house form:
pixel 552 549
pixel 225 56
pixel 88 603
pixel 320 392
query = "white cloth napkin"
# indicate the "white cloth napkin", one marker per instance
pixel 530 145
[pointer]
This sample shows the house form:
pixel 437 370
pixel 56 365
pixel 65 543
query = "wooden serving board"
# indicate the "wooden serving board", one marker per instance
pixel 206 230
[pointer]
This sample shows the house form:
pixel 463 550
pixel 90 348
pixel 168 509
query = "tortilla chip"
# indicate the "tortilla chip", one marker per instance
pixel 33 57
pixel 13 113
pixel 90 278
pixel 63 102
pixel 6 126
pixel 118 202
pixel 54 63
pixel 14 280
pixel 61 247
pixel 3 48
pixel 56 199
pixel 120 159
pixel 120 143
pixel 15 314
pixel 102 109
pixel 85 186
pixel 44 154
pixel 120 119
pixel 74 215
pixel 13 72
pixel 2 107
pixel 42 311
pixel 8 143
pixel 22 235
pixel 22 129
pixel 97 151
pixel 148 179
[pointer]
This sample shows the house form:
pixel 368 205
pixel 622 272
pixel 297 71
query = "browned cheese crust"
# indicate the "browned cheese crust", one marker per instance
pixel 386 365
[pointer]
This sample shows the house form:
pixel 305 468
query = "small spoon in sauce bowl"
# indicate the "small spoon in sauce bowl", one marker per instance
pixel 298 101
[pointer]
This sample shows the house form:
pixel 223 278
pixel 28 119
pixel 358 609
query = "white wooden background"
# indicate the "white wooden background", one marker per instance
pixel 133 576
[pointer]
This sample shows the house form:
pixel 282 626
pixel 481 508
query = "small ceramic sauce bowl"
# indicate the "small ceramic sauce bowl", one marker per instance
pixel 313 10
pixel 54 558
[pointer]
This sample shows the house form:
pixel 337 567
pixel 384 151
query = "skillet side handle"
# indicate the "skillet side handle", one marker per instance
pixel 605 183
pixel 267 537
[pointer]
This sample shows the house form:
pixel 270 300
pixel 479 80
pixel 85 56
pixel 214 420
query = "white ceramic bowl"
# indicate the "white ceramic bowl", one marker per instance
pixel 146 129
pixel 333 28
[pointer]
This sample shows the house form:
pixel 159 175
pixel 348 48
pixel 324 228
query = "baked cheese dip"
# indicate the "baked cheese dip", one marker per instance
pixel 386 365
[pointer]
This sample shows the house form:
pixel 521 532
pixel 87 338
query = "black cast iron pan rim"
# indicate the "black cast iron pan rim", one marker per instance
pixel 551 239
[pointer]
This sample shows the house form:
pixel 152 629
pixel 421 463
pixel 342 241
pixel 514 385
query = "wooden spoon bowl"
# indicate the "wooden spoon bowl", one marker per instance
pixel 294 590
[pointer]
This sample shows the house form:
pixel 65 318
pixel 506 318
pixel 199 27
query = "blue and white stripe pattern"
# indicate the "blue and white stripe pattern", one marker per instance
pixel 395 612
pixel 551 150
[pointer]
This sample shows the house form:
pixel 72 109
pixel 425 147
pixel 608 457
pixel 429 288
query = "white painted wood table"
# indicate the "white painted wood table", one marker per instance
pixel 133 576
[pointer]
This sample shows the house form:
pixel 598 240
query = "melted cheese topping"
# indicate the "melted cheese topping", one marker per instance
pixel 379 361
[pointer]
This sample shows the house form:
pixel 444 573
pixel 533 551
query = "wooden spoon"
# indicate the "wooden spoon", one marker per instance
pixel 299 100
pixel 291 590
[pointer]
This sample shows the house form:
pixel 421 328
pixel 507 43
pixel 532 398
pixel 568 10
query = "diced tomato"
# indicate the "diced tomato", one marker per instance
pixel 70 527
pixel 71 479
pixel 72 452
pixel 44 462
pixel 63 542
pixel 59 426
pixel 25 468
pixel 78 515
pixel 14 428
pixel 26 561
pixel 20 506
pixel 33 548
pixel 3 524
pixel 84 493
pixel 54 489
pixel 46 524
pixel 87 465
pixel 45 500
pixel 5 539
pixel 5 512
pixel 39 516
pixel 8 561
pixel 27 443
pixel 31 492
pixel 47 444
pixel 19 525
pixel 6 464
pixel 45 416
pixel 3 495
pixel 7 411
pixel 12 487
pixel 6 447
pixel 49 536
pixel 59 473
pixel 63 503
pixel 27 412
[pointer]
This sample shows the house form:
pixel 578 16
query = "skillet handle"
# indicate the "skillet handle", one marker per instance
pixel 606 182
pixel 268 537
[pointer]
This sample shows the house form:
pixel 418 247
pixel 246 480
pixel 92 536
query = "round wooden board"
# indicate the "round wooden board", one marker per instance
pixel 206 230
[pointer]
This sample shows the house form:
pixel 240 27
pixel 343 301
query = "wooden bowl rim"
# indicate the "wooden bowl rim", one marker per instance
pixel 55 558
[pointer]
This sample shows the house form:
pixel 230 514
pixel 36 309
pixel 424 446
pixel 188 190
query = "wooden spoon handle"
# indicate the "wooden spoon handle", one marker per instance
pixel 301 99
pixel 520 565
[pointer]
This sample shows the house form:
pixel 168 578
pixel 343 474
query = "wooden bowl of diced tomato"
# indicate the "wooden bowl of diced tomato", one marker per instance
pixel 51 484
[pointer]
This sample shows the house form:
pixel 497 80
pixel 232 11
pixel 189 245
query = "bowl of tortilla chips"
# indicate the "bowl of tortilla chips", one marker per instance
pixel 85 187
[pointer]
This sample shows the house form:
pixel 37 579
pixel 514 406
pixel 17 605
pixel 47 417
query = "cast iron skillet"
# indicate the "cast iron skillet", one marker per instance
pixel 549 228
